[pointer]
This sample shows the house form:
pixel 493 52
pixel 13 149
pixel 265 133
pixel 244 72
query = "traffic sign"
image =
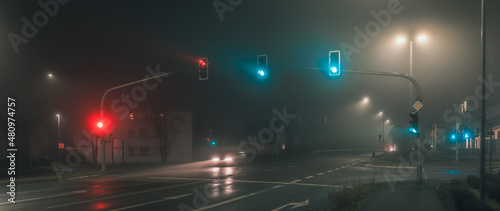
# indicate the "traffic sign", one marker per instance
pixel 418 105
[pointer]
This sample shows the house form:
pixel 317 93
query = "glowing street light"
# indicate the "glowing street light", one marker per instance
pixel 422 37
pixel 401 39
pixel 365 99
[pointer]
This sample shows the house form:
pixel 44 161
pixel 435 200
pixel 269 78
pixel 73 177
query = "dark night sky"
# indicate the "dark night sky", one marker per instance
pixel 91 46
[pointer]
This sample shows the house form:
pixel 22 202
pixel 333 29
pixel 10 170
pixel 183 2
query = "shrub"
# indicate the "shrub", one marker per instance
pixel 473 181
pixel 349 198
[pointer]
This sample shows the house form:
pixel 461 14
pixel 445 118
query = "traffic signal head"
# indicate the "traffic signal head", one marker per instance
pixel 467 134
pixel 99 124
pixel 262 66
pixel 213 143
pixel 334 66
pixel 203 68
pixel 414 123
pixel 453 136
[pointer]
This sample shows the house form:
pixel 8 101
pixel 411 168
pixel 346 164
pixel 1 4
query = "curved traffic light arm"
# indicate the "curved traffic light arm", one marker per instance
pixel 139 81
pixel 412 80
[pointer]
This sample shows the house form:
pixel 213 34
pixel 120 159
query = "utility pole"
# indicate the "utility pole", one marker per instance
pixel 490 132
pixel 483 93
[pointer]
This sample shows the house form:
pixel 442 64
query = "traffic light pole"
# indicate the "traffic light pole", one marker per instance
pixel 139 81
pixel 419 98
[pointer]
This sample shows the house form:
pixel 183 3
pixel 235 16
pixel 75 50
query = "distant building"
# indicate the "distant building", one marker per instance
pixel 135 140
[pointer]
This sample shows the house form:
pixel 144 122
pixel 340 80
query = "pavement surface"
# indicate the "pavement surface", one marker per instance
pixel 291 183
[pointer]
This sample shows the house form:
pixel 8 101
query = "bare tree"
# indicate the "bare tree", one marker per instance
pixel 167 125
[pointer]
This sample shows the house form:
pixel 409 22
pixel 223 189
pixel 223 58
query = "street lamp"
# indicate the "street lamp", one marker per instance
pixel 58 128
pixel 59 135
pixel 383 130
pixel 365 100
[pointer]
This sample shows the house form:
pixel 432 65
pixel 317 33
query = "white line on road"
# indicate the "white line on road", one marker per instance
pixel 348 165
pixel 320 174
pixel 48 197
pixel 231 200
pixel 296 181
pixel 24 192
pixel 309 177
pixel 277 186
pixel 329 171
pixel 271 170
pixel 152 202
pixel 342 167
pixel 337 169
pixel 258 182
pixel 126 194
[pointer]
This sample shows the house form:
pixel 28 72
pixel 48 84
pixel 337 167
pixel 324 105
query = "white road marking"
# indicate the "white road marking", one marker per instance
pixel 295 205
pixel 48 197
pixel 348 165
pixel 320 174
pixel 296 181
pixel 33 191
pixel 152 202
pixel 329 171
pixel 271 170
pixel 231 200
pixel 259 182
pixel 309 177
pixel 337 169
pixel 342 167
pixel 126 194
pixel 277 186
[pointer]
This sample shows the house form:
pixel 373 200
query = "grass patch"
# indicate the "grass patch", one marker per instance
pixel 353 197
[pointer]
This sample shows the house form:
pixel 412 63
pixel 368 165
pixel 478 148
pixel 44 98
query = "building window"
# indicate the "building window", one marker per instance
pixel 143 132
pixel 131 116
pixel 130 133
pixel 144 151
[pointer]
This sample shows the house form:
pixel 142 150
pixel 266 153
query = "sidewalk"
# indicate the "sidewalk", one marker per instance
pixel 406 196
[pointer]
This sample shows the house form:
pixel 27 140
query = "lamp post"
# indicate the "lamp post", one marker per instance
pixel 59 135
pixel 401 39
pixel 383 130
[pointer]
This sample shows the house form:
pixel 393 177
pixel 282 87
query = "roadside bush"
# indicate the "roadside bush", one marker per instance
pixel 464 199
pixel 473 181
pixel 350 198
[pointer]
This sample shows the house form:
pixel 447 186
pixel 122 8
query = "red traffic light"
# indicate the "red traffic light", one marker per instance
pixel 202 63
pixel 99 125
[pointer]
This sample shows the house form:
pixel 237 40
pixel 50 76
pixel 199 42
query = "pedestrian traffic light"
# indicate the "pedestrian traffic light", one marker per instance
pixel 334 66
pixel 467 134
pixel 453 136
pixel 213 143
pixel 203 68
pixel 414 123
pixel 262 66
